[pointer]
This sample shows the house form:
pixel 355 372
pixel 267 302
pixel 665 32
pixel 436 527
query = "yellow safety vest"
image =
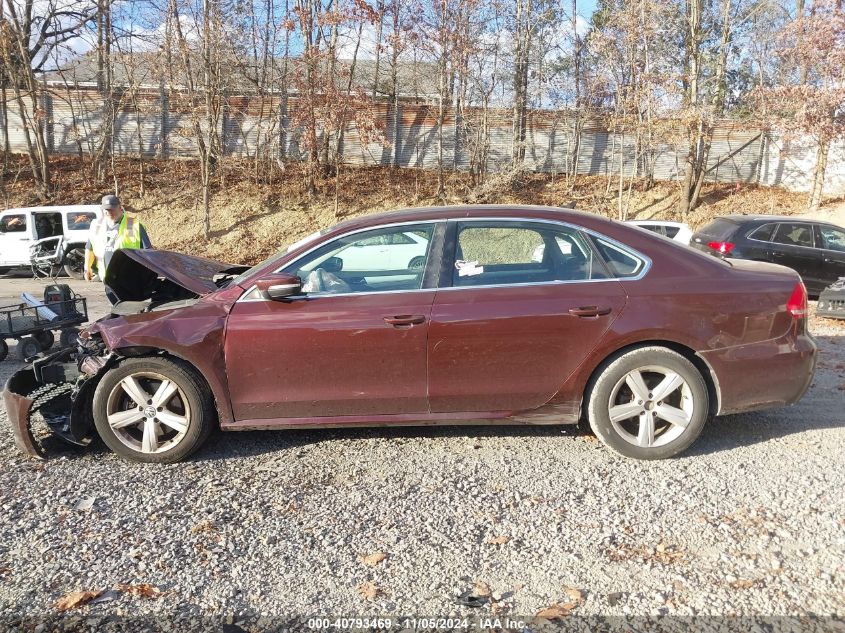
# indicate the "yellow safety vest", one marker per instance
pixel 128 237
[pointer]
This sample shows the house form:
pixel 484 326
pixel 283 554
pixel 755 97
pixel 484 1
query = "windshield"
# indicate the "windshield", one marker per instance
pixel 273 258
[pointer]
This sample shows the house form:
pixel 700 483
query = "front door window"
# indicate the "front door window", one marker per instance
pixel 387 259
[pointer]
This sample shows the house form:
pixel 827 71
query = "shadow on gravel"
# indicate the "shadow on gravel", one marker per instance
pixel 234 445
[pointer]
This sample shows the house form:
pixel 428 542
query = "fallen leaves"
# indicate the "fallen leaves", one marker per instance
pixel 498 540
pixel 662 554
pixel 575 594
pixel 203 526
pixel 370 591
pixel 556 611
pixel 563 608
pixel 75 599
pixel 373 559
pixel 481 589
pixel 743 583
pixel 142 590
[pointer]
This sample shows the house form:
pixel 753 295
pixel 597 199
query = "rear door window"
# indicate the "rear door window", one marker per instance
pixel 794 234
pixel 505 253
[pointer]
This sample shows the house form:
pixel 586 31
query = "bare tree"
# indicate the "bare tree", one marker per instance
pixel 30 33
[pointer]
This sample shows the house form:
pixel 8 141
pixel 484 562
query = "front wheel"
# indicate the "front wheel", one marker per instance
pixel 153 410
pixel 74 263
pixel 648 403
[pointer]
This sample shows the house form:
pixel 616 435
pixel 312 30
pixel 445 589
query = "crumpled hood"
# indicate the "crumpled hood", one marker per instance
pixel 132 274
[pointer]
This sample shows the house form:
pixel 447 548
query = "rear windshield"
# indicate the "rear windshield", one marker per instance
pixel 720 228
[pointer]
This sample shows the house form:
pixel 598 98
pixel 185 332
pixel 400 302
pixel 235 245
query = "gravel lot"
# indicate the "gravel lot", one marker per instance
pixel 750 522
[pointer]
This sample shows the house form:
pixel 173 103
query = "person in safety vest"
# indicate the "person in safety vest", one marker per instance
pixel 113 231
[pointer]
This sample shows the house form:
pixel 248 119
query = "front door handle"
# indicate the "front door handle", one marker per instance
pixel 405 320
pixel 589 311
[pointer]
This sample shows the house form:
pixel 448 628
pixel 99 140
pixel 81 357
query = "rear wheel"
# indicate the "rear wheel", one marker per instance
pixel 46 339
pixel 4 349
pixel 417 263
pixel 153 410
pixel 648 403
pixel 28 346
pixel 74 263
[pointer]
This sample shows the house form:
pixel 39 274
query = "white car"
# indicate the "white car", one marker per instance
pixel 393 251
pixel 677 231
pixel 58 232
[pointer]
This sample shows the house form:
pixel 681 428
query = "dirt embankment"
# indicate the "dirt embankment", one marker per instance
pixel 253 217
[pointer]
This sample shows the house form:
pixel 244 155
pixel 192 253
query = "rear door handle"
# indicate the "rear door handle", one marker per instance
pixel 589 311
pixel 405 320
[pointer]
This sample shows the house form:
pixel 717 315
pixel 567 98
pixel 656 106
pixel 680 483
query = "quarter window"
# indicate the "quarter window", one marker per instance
pixel 13 223
pixel 620 261
pixel 493 253
pixel 764 233
pixel 794 234
pixel 380 260
pixel 80 221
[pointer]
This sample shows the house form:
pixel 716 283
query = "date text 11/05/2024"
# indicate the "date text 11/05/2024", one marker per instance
pixel 415 624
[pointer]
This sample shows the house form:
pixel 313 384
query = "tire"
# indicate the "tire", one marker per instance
pixel 617 386
pixel 46 339
pixel 74 263
pixel 416 263
pixel 67 337
pixel 144 437
pixel 28 346
pixel 4 350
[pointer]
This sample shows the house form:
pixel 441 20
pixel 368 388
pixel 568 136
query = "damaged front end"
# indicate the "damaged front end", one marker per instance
pixel 158 310
pixel 53 396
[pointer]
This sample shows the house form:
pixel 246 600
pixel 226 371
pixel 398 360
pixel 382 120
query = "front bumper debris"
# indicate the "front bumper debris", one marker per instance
pixel 832 301
pixel 45 396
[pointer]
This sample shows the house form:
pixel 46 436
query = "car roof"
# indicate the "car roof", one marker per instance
pixel 423 214
pixel 656 222
pixel 740 217
pixel 77 208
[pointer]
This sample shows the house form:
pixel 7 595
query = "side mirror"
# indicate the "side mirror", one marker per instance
pixel 279 286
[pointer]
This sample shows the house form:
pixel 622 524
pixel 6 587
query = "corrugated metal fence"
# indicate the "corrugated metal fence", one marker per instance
pixel 160 123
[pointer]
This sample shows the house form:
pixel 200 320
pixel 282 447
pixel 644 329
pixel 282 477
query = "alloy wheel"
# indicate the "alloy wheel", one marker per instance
pixel 148 412
pixel 651 406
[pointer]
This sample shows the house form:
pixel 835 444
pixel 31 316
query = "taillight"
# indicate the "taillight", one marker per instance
pixel 797 304
pixel 723 247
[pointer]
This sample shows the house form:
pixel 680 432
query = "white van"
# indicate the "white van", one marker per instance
pixel 63 228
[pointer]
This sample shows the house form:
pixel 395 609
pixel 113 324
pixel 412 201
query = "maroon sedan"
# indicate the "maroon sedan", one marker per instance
pixel 486 315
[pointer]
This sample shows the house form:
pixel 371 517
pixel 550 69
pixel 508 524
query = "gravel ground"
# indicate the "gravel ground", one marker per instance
pixel 750 522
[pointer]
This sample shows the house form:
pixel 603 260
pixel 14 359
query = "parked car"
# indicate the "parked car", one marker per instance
pixel 816 250
pixel 677 231
pixel 644 338
pixel 64 229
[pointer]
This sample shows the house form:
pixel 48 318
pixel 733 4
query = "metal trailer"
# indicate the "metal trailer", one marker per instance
pixel 32 325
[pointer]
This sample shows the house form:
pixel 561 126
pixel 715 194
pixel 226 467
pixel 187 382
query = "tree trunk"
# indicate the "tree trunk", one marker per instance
pixel 818 176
